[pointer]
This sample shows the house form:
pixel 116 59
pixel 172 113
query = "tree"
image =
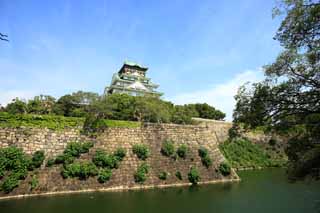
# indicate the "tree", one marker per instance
pixel 76 105
pixel 17 106
pixel 289 98
pixel 42 104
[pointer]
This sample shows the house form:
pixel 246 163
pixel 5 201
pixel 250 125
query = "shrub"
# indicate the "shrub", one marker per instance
pixel 37 159
pixel 104 175
pixel 83 170
pixel 141 150
pixel 167 148
pixel 272 142
pixel 73 151
pixel 50 162
pixel 102 159
pixel 120 153
pixel 34 182
pixel 163 175
pixel 193 176
pixel 206 161
pixel 182 151
pixel 178 175
pixel 140 175
pixel 205 158
pixel 203 152
pixel 10 183
pixel 225 169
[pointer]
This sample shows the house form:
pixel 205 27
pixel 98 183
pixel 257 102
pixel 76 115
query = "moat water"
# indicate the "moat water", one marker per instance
pixel 259 191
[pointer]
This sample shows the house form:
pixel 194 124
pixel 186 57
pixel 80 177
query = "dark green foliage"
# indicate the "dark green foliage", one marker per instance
pixel 10 183
pixel 179 175
pixel 120 153
pixel 163 175
pixel 272 142
pixel 73 151
pixel 206 161
pixel 205 158
pixel 225 168
pixel 104 175
pixel 140 175
pixel 287 101
pixel 111 161
pixel 182 151
pixel 203 152
pixel 37 159
pixel 50 162
pixel 167 148
pixel 83 170
pixel 34 182
pixel 141 150
pixel 42 104
pixel 193 176
pixel 14 162
pixel 16 107
pixel 206 111
pixel 241 153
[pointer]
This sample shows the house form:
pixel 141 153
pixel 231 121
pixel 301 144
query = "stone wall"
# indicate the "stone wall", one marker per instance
pixel 53 143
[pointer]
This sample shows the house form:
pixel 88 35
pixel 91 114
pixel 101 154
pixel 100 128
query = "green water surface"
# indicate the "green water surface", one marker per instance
pixel 259 191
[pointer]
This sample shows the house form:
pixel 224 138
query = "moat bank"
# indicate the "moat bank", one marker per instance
pixel 259 191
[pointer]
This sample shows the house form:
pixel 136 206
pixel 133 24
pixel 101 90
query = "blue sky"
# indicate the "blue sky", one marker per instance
pixel 198 51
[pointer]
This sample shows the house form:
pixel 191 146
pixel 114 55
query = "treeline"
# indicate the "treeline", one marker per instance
pixel 115 107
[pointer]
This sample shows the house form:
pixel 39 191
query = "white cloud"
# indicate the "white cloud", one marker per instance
pixel 222 95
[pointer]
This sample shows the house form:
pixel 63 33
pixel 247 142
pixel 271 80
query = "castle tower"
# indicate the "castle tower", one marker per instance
pixel 131 79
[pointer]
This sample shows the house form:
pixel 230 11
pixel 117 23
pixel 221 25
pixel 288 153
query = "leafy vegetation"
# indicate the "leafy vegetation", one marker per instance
pixel 83 170
pixel 40 121
pixel 179 175
pixel 242 153
pixel 167 148
pixel 182 151
pixel 50 162
pixel 73 151
pixel 288 100
pixel 163 175
pixel 104 175
pixel 34 182
pixel 194 176
pixel 37 159
pixel 205 158
pixel 141 150
pixel 110 161
pixel 14 166
pixel 225 168
pixel 140 176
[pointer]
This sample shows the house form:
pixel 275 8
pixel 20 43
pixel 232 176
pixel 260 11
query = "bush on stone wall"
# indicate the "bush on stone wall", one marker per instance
pixel 83 170
pixel 167 148
pixel 15 163
pixel 73 151
pixel 102 159
pixel 50 162
pixel 104 175
pixel 120 153
pixel 140 175
pixel 141 150
pixel 34 182
pixel 205 158
pixel 194 176
pixel 37 159
pixel 163 175
pixel 182 151
pixel 179 175
pixel 225 168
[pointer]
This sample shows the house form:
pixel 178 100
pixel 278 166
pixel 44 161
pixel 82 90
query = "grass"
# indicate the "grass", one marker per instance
pixel 55 122
pixel 241 153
